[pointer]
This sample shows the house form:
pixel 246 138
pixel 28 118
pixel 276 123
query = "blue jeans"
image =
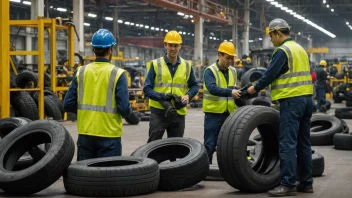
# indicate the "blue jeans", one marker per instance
pixel 295 114
pixel 95 147
pixel 320 97
pixel 212 125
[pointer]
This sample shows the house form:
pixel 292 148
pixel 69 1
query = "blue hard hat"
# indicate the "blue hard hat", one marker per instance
pixel 103 39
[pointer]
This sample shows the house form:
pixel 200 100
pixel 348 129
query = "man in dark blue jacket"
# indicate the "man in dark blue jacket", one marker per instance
pixel 322 77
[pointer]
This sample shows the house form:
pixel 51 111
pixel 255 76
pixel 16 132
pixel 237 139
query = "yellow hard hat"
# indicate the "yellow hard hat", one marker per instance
pixel 248 59
pixel 173 37
pixel 323 62
pixel 227 48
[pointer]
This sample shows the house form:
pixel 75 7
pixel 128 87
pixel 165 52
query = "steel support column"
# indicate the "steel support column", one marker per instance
pixel 245 49
pixel 4 59
pixel 78 20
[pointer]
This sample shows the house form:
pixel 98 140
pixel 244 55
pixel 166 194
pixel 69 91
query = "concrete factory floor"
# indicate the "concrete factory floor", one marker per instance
pixel 335 182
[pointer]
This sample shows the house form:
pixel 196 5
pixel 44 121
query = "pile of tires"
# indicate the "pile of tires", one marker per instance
pixel 343 113
pixel 145 171
pixel 324 127
pixel 348 97
pixel 36 168
pixel 25 104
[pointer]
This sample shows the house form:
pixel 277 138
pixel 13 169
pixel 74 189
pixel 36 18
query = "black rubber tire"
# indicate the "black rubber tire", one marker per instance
pixel 43 173
pixel 145 118
pixel 12 80
pixel 132 119
pixel 52 109
pixel 112 177
pixel 343 142
pixel 318 165
pixel 214 173
pixel 252 75
pixel 47 81
pixel 190 168
pixel 331 125
pixel 264 173
pixel 263 101
pixel 26 77
pixel 344 113
pixel 9 124
pixel 26 106
pixel 57 101
pixel 345 128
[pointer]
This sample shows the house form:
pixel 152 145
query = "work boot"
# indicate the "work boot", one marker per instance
pixel 305 188
pixel 282 191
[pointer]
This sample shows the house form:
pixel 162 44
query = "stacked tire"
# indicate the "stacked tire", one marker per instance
pixel 45 167
pixel 25 104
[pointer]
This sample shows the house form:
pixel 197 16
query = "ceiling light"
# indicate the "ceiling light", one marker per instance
pixel 191 16
pixel 109 18
pixel 289 11
pixel 61 9
pixel 17 1
pixel 141 25
pixel 53 7
pixel 161 29
pixel 278 5
pixel 92 15
pixel 152 28
pixel 119 21
pixel 180 13
pixel 192 21
pixel 225 40
pixel 192 34
pixel 166 30
pixel 306 20
pixel 327 5
pixel 86 24
pixel 299 33
pixel 146 27
pixel 137 25
pixel 27 2
pixel 332 10
pixel 210 37
pixel 157 29
pixel 251 41
pixel 324 1
pixel 230 40
pixel 284 8
pixel 180 32
pixel 260 39
pixel 347 23
pixel 189 33
pixel 269 0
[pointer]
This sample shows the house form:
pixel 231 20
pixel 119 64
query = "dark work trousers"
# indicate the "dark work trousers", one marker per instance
pixel 95 147
pixel 212 125
pixel 320 97
pixel 174 126
pixel 295 114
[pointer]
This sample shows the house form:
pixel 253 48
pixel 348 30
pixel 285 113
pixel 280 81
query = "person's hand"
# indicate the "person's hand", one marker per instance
pixel 185 99
pixel 251 90
pixel 236 93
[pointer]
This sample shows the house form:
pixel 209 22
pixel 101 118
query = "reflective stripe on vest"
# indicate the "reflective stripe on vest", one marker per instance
pixel 108 107
pixel 217 104
pixel 165 83
pixel 297 80
pixel 97 107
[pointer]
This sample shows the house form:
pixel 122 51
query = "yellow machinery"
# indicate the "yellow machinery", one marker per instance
pixel 5 53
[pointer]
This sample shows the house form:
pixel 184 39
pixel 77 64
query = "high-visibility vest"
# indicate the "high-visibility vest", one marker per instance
pixel 297 81
pixel 164 83
pixel 217 104
pixel 97 109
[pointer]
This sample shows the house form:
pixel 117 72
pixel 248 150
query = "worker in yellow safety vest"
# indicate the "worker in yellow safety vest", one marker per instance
pixel 291 85
pixel 220 79
pixel 167 75
pixel 99 95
